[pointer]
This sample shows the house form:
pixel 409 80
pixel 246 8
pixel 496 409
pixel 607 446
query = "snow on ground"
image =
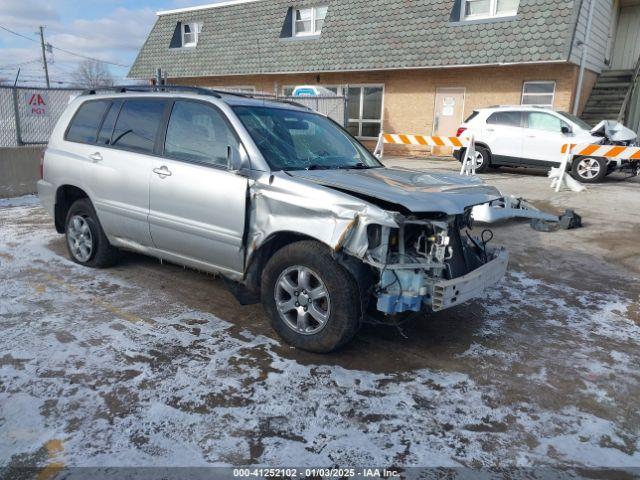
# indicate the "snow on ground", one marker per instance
pixel 122 379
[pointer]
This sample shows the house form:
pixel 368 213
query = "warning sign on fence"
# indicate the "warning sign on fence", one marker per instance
pixel 37 103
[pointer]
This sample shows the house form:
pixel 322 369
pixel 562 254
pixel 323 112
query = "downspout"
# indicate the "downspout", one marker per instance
pixel 583 60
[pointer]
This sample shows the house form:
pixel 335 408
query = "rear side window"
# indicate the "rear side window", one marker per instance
pixel 198 133
pixel 137 125
pixel 85 123
pixel 104 137
pixel 509 119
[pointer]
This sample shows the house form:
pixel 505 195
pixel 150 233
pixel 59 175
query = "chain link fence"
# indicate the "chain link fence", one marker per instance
pixel 28 115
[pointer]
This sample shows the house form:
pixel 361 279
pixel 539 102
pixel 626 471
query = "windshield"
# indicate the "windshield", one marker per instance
pixel 578 121
pixel 295 140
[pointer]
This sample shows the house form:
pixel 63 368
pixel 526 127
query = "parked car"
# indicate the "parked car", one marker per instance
pixel 530 136
pixel 280 201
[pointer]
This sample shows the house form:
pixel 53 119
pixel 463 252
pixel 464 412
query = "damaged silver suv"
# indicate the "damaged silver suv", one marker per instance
pixel 280 201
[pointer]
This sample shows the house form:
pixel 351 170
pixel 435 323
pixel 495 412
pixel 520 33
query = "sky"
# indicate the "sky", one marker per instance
pixel 109 30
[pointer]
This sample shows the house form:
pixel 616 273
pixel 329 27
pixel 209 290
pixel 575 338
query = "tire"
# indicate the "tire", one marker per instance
pixel 86 242
pixel 589 169
pixel 483 159
pixel 285 296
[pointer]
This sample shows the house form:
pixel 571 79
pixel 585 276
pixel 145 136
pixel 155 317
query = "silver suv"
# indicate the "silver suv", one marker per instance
pixel 279 200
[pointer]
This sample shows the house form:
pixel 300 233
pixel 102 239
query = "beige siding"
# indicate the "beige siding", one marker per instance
pixel 599 39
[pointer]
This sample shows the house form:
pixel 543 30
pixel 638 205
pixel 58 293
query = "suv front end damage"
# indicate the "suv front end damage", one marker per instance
pixel 430 263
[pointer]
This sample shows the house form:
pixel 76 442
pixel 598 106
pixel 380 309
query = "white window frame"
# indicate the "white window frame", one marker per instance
pixel 360 120
pixel 553 94
pixel 493 11
pixel 195 31
pixel 313 31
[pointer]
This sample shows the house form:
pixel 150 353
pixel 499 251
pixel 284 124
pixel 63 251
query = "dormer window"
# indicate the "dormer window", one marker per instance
pixel 308 21
pixel 479 9
pixel 190 33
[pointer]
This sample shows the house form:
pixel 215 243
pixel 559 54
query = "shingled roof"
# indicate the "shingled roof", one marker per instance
pixel 246 38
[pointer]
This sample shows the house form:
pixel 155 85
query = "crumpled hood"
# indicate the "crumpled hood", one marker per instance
pixel 417 191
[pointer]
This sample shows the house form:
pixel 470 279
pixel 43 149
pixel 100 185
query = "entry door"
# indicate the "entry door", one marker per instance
pixel 627 45
pixel 448 113
pixel 197 207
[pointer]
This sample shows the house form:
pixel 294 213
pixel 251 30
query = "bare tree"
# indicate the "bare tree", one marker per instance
pixel 91 73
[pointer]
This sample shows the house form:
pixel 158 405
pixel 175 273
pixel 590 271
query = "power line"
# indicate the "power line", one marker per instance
pixel 66 51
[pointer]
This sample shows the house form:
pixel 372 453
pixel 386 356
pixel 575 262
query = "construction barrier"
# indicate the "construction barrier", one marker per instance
pixel 467 142
pixel 605 151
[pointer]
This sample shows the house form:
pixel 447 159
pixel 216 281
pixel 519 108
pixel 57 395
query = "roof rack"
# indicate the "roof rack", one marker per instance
pixel 184 88
pixel 153 88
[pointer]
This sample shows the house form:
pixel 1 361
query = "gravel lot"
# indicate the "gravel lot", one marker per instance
pixel 151 364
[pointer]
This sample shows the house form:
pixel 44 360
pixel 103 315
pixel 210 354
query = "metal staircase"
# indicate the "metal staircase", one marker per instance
pixel 607 98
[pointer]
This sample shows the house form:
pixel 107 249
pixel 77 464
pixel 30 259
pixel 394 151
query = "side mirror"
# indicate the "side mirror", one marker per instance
pixel 237 159
pixel 566 130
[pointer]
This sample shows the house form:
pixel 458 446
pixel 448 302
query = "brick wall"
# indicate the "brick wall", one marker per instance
pixel 409 98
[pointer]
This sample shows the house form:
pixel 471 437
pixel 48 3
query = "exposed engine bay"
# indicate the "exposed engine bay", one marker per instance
pixel 421 258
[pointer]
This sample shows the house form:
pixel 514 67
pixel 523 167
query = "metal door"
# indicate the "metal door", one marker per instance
pixel 449 108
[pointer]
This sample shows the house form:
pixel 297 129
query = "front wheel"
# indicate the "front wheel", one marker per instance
pixel 589 169
pixel 312 301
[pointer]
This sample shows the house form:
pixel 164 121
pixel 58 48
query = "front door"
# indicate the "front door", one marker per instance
pixel 543 139
pixel 447 117
pixel 197 206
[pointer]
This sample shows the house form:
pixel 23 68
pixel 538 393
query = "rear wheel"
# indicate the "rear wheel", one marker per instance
pixel 312 301
pixel 86 242
pixel 483 159
pixel 589 169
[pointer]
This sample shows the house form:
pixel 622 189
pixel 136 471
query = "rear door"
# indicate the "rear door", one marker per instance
pixel 197 206
pixel 122 162
pixel 544 139
pixel 504 134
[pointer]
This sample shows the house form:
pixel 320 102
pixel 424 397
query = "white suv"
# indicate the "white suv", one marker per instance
pixel 529 136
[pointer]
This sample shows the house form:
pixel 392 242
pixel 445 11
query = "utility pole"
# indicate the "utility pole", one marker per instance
pixel 44 56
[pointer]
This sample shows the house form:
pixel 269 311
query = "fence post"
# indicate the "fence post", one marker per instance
pixel 16 115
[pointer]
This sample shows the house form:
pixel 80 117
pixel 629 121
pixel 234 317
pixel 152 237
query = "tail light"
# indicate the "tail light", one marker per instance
pixel 42 165
pixel 461 130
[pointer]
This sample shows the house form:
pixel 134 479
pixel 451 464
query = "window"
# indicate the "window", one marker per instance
pixel 85 123
pixel 137 125
pixel 538 93
pixel 508 119
pixel 308 21
pixel 295 140
pixel 476 9
pixel 190 33
pixel 198 133
pixel 365 110
pixel 545 121
pixel 104 136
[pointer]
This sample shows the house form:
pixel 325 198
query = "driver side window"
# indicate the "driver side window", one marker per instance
pixel 198 133
pixel 546 122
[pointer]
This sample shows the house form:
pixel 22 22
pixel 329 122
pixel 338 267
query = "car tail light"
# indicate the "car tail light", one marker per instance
pixel 42 165
pixel 461 130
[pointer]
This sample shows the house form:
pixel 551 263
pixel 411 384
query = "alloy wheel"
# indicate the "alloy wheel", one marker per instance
pixel 588 168
pixel 79 238
pixel 302 300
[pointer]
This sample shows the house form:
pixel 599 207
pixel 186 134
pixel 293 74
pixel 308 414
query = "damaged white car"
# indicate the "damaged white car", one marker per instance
pixel 280 201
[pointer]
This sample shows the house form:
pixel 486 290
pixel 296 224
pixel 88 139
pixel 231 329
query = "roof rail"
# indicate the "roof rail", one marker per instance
pixel 517 106
pixel 153 88
pixel 184 88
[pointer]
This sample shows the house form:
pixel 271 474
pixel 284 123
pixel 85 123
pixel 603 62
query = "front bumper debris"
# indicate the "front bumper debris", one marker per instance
pixel 453 292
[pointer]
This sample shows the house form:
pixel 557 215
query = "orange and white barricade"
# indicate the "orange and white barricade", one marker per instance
pixel 616 153
pixel 467 142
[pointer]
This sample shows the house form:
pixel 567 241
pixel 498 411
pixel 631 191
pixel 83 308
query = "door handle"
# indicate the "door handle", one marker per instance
pixel 96 157
pixel 163 171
